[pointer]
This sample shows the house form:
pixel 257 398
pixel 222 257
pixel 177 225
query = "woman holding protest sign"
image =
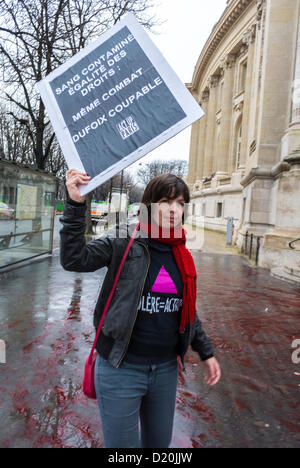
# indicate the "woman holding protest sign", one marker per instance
pixel 151 320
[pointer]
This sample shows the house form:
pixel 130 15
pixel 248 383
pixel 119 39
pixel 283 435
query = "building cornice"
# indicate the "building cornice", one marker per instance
pixel 263 173
pixel 230 16
pixel 217 191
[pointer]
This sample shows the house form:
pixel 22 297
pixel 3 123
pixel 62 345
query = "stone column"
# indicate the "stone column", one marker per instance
pixel 256 100
pixel 291 140
pixel 191 178
pixel 248 40
pixel 281 21
pixel 296 84
pixel 210 126
pixel 226 118
pixel 201 138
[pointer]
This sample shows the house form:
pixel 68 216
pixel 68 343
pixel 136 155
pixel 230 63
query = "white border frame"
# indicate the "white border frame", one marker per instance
pixel 177 88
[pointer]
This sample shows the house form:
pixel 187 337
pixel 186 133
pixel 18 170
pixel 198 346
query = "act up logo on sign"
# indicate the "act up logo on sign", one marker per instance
pixel 115 101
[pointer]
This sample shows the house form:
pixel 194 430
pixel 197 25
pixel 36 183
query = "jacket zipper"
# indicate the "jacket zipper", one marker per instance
pixel 136 313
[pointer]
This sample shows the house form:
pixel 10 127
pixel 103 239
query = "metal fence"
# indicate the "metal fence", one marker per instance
pixel 252 246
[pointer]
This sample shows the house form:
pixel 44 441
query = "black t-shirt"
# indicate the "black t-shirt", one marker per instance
pixel 155 334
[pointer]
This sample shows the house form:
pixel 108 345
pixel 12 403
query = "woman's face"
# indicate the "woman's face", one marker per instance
pixel 168 212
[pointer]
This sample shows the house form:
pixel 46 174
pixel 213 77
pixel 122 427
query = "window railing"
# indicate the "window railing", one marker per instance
pixel 291 242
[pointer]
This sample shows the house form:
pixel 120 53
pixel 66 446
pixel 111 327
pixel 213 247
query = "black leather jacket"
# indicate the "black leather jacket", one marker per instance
pixel 107 251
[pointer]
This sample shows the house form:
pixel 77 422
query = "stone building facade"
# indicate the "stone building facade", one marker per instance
pixel 245 152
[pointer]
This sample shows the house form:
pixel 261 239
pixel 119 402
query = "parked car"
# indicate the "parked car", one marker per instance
pixel 98 211
pixel 6 212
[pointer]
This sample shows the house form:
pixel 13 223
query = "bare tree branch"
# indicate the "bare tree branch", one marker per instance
pixel 38 35
pixel 175 166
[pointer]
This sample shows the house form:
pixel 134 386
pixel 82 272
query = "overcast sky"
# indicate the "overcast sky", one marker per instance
pixel 181 38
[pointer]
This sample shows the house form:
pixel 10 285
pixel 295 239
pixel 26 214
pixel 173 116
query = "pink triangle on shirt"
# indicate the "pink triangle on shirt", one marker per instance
pixel 164 283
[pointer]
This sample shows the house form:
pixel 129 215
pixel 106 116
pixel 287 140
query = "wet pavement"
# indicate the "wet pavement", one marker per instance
pixel 251 318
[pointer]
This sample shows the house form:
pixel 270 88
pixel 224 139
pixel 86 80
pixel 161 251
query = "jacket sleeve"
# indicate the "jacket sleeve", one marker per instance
pixel 75 253
pixel 200 342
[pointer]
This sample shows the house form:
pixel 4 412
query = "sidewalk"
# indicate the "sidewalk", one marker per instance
pixel 208 241
pixel 251 318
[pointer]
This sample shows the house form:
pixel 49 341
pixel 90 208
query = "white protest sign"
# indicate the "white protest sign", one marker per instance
pixel 115 101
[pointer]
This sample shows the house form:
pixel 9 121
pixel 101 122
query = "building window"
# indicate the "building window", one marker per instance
pixel 242 76
pixel 219 210
pixel 238 145
pixel 218 132
pixel 193 209
pixel 203 209
pixel 221 85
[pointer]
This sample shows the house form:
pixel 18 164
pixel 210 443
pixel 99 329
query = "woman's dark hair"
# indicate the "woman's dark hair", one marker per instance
pixel 165 185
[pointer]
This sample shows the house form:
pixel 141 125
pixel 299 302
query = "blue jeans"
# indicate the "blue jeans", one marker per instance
pixel 132 393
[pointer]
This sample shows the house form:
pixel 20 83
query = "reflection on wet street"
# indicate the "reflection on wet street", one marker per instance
pixel 46 321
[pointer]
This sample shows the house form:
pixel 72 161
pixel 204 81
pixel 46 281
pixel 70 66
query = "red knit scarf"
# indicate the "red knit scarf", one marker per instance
pixel 184 260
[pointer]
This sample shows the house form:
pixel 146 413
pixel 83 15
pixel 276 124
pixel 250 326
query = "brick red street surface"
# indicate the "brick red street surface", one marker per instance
pixel 251 318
